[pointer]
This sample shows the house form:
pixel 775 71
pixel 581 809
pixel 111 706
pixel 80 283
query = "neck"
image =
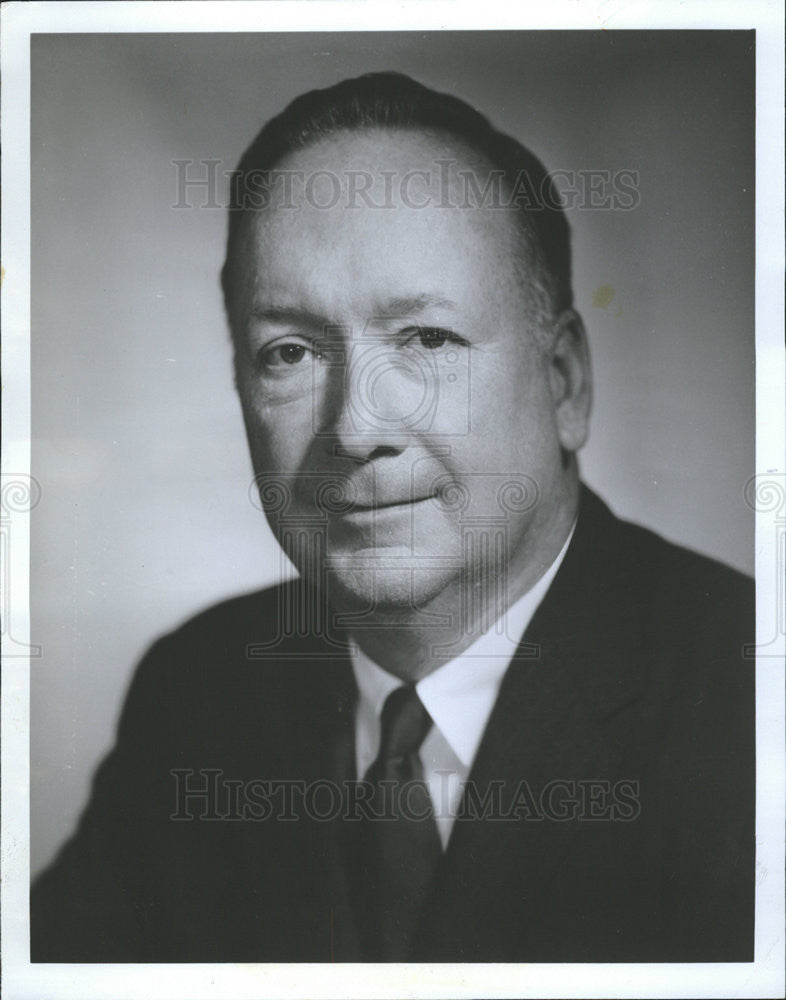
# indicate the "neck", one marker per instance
pixel 412 643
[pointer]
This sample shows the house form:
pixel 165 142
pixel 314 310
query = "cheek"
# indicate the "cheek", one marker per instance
pixel 279 437
pixel 507 460
pixel 522 405
pixel 508 411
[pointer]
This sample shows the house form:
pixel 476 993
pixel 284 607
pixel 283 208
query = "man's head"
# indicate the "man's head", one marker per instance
pixel 413 380
pixel 395 102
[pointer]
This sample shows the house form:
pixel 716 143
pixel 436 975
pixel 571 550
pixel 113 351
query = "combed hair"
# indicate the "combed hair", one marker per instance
pixel 394 101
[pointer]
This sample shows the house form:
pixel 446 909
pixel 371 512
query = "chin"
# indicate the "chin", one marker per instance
pixel 379 588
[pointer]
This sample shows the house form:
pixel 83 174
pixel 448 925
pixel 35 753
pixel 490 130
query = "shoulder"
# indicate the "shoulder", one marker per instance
pixel 674 625
pixel 239 627
pixel 670 633
pixel 641 567
pixel 250 611
pixel 242 651
pixel 681 627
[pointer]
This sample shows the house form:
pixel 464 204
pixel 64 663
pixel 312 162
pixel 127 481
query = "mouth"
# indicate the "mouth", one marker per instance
pixel 392 506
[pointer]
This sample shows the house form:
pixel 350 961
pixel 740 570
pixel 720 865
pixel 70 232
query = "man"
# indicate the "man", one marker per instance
pixel 489 721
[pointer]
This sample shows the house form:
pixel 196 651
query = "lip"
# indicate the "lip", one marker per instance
pixel 369 510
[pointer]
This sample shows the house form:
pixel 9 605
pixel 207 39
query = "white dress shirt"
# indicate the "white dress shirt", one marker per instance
pixel 459 697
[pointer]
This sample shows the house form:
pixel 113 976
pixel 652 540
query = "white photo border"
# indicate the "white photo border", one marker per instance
pixel 762 978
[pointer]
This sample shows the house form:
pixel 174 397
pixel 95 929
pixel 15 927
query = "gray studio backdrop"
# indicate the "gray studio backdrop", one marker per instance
pixel 138 443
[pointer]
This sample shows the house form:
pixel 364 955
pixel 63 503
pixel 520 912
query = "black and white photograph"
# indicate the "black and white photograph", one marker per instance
pixel 394 504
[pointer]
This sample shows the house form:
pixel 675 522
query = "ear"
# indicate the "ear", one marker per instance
pixel 570 380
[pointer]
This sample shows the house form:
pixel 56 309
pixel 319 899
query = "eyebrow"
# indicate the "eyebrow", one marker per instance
pixel 410 305
pixel 287 314
pixel 398 306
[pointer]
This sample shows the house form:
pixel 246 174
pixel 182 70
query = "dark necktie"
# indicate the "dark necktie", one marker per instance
pixel 399 852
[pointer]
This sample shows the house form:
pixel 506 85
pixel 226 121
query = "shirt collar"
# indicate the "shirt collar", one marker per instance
pixel 460 695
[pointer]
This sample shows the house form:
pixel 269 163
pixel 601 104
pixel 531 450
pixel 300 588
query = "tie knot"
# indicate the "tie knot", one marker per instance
pixel 405 723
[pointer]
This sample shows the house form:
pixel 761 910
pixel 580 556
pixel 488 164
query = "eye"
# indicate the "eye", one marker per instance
pixel 284 354
pixel 434 337
pixel 290 354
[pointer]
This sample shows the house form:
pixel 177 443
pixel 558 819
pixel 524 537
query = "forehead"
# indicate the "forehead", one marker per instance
pixel 361 217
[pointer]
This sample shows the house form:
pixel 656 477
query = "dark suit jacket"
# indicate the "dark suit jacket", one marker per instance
pixel 631 671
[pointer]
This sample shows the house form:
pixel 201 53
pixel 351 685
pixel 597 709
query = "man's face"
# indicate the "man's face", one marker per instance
pixel 399 413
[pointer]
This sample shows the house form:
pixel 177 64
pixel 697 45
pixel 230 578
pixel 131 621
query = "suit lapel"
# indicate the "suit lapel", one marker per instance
pixel 552 727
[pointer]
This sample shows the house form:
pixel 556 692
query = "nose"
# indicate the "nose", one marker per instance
pixel 369 418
